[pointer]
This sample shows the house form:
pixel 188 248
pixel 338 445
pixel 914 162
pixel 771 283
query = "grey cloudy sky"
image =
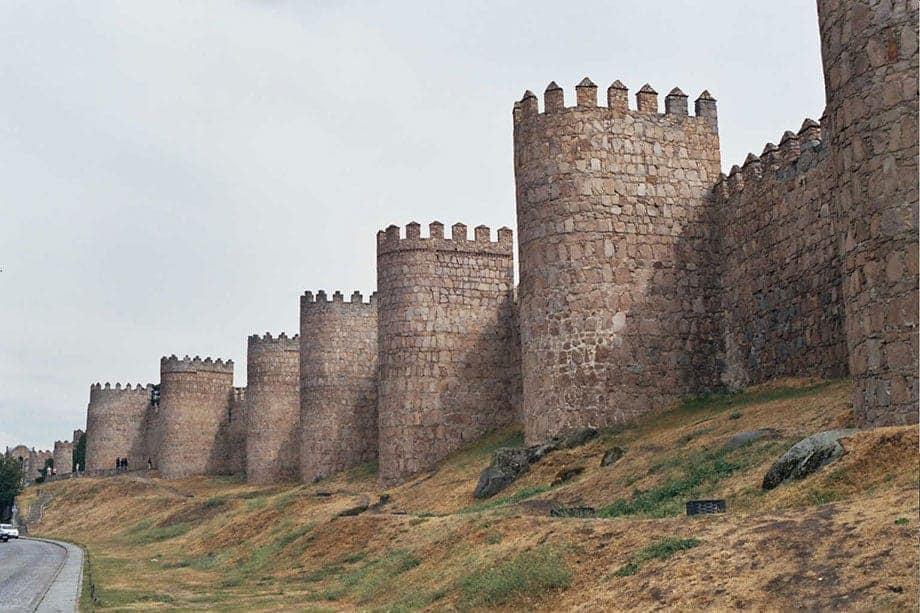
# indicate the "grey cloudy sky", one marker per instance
pixel 175 174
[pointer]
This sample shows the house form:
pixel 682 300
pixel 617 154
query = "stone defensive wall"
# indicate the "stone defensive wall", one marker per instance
pixel 444 308
pixel 870 58
pixel 195 396
pixel 116 425
pixel 782 299
pixel 237 430
pixel 338 383
pixel 63 457
pixel 618 281
pixel 273 409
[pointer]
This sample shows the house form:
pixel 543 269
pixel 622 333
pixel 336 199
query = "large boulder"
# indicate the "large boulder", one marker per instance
pixel 612 455
pixel 806 456
pixel 507 465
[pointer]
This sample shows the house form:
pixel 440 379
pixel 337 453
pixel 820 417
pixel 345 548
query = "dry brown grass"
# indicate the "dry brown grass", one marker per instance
pixel 829 541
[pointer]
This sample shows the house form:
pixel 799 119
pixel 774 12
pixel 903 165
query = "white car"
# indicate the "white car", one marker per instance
pixel 9 531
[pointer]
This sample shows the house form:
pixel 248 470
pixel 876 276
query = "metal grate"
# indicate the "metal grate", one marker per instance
pixel 704 507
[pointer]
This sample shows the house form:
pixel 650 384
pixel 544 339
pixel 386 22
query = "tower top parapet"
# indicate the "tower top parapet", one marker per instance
pixel 390 240
pixel 196 364
pixel 617 102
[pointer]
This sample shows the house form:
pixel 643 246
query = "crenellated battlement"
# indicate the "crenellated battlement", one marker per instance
pixel 391 240
pixel 187 364
pixel 321 298
pixel 269 342
pixel 797 153
pixel 675 103
pixel 118 387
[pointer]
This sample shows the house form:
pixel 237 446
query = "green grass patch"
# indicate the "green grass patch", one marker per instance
pixel 144 532
pixel 700 470
pixel 524 494
pixel 722 401
pixel 901 521
pixel 213 503
pixel 661 549
pixel 735 415
pixel 372 578
pixel 362 472
pixel 530 572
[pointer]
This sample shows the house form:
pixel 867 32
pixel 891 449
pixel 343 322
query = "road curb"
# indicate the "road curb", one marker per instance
pixel 57 573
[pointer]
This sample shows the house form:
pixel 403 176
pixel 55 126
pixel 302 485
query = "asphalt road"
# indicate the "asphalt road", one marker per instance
pixel 27 569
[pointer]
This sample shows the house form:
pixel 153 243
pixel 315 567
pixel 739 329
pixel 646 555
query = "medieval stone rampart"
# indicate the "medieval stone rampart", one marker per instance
pixel 116 425
pixel 870 57
pixel 618 290
pixel 444 311
pixel 237 430
pixel 195 398
pixel 338 379
pixel 782 300
pixel 273 409
pixel 63 457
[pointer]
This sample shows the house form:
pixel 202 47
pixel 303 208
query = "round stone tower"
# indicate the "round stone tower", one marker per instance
pixel 445 342
pixel 115 425
pixel 195 399
pixel 618 287
pixel 869 52
pixel 273 409
pixel 63 457
pixel 338 379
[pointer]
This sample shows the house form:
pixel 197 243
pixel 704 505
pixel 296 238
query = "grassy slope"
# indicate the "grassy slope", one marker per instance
pixel 837 539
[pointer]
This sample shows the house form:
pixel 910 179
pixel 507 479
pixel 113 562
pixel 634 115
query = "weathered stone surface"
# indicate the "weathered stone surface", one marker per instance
pixel 194 414
pixel 578 437
pixel 582 512
pixel 870 57
pixel 743 438
pixel 446 366
pixel 273 411
pixel 338 379
pixel 116 425
pixel 806 456
pixel 612 455
pixel 618 291
pixel 567 474
pixel 507 465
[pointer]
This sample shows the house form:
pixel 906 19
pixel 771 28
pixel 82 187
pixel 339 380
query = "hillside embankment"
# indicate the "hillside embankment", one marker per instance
pixel 845 537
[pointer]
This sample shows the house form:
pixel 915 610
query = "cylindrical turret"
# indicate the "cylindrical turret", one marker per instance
pixel 445 342
pixel 338 378
pixel 618 286
pixel 115 425
pixel 870 57
pixel 63 457
pixel 273 409
pixel 195 398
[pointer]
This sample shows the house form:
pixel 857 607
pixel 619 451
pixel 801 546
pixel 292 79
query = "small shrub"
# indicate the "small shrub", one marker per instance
pixel 665 548
pixel 530 572
pixel 213 503
pixel 735 415
pixel 630 568
pixel 661 549
pixel 901 521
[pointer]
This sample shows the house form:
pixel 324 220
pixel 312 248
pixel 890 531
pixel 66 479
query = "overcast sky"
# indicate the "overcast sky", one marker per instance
pixel 176 174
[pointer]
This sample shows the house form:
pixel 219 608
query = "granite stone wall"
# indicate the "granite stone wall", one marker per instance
pixel 116 425
pixel 445 365
pixel 195 397
pixel 338 383
pixel 618 282
pixel 237 432
pixel 273 409
pixel 782 300
pixel 63 457
pixel 870 56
